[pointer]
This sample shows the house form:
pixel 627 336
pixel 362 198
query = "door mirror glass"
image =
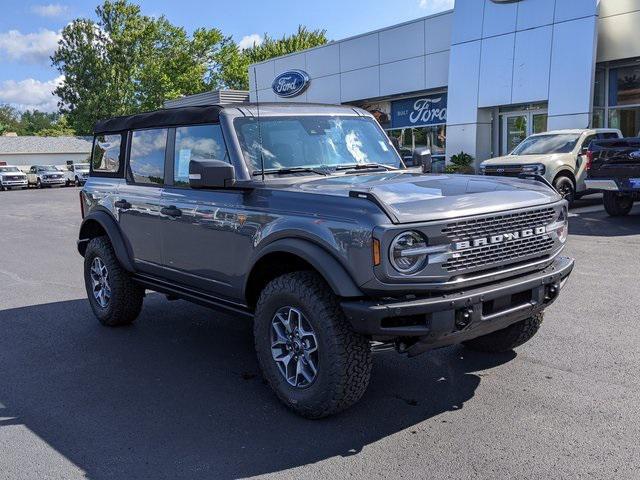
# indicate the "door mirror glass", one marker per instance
pixel 211 174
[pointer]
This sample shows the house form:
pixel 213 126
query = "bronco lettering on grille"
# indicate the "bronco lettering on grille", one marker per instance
pixel 501 238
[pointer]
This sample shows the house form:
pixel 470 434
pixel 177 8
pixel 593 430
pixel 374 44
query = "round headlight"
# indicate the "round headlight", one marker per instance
pixel 407 253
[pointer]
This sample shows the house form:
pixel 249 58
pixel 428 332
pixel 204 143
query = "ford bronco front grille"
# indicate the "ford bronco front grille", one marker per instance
pixel 490 254
pixel 496 225
pixel 508 250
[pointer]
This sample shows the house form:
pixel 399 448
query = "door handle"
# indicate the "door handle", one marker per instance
pixel 123 204
pixel 171 211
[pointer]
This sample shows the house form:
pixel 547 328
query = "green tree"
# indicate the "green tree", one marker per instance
pixel 32 122
pixel 125 62
pixel 9 119
pixel 233 64
pixel 60 128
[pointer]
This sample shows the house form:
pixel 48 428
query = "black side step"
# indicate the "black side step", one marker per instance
pixel 201 298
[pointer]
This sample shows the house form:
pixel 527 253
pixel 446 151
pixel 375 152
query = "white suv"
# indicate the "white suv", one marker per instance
pixel 558 155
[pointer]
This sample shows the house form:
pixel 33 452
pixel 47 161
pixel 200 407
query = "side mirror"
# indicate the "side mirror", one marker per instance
pixel 424 159
pixel 211 174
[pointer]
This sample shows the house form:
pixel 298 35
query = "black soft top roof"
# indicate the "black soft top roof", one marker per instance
pixel 167 117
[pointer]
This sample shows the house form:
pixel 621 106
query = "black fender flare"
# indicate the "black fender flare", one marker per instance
pixel 319 258
pixel 110 226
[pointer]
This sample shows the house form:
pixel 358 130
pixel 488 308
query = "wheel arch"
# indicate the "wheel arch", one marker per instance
pixel 565 172
pixel 100 223
pixel 293 254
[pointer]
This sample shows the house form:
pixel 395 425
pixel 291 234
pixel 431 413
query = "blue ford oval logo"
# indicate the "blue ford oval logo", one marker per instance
pixel 291 84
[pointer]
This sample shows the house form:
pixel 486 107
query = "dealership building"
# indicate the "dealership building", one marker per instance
pixel 478 78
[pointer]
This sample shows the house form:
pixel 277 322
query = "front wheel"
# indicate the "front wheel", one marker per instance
pixel 617 205
pixel 38 184
pixel 565 187
pixel 509 338
pixel 309 354
pixel 115 299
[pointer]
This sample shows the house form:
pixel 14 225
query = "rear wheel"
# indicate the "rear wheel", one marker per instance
pixel 115 299
pixel 565 187
pixel 509 338
pixel 617 205
pixel 312 359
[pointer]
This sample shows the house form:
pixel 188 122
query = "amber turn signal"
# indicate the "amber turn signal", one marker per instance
pixel 376 252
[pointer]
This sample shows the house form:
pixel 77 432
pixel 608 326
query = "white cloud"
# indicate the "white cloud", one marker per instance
pixel 249 41
pixel 30 47
pixel 50 10
pixel 31 94
pixel 435 6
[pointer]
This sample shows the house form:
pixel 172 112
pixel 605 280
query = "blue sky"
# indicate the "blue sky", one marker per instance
pixel 29 30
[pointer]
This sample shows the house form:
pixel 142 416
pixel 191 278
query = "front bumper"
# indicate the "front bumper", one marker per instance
pixel 14 183
pixel 53 181
pixel 455 317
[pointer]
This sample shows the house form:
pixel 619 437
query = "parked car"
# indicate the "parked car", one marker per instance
pixel 305 219
pixel 613 167
pixel 45 176
pixel 559 156
pixel 76 174
pixel 11 177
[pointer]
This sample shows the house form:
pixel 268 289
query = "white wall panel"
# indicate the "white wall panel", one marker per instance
pixel 496 71
pixel 402 42
pixel 324 90
pixel 323 61
pixel 618 37
pixel 359 52
pixel 572 9
pixel 289 62
pixel 360 84
pixel 616 7
pixel 464 71
pixel 265 95
pixel 499 18
pixel 438 33
pixel 531 65
pixel 535 13
pixel 568 121
pixel 437 70
pixel 572 67
pixel 467 21
pixel 265 73
pixel 403 76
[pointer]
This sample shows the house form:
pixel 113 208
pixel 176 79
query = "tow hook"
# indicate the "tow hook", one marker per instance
pixel 463 318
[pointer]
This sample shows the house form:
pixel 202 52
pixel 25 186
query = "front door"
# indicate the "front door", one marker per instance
pixel 517 126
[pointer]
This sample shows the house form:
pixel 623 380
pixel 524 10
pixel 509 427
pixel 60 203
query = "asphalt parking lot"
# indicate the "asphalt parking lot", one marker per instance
pixel 179 395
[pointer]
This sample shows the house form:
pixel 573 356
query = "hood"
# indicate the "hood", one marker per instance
pixel 522 159
pixel 414 197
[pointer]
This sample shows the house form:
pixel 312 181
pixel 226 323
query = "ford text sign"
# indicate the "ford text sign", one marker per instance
pixel 290 84
pixel 419 111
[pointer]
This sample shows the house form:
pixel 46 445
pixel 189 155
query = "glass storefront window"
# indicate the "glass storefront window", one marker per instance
pixel 624 86
pixel 411 139
pixel 598 118
pixel 625 119
pixel 599 99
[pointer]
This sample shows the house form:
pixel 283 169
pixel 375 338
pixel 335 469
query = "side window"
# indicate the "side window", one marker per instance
pixel 33 170
pixel 106 153
pixel 197 142
pixel 146 157
pixel 608 135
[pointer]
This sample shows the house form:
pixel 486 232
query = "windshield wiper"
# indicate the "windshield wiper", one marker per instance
pixel 286 170
pixel 365 166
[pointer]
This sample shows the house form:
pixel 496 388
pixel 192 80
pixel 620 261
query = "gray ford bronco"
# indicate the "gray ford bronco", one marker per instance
pixel 304 218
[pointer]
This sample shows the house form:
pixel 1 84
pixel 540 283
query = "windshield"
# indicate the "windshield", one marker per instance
pixel 544 144
pixel 82 166
pixel 9 170
pixel 48 168
pixel 314 142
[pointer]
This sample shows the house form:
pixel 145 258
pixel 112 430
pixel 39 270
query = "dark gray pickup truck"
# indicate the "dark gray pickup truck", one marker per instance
pixel 613 167
pixel 304 219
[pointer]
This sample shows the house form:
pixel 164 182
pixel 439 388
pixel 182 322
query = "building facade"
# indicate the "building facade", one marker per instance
pixel 479 78
pixel 26 151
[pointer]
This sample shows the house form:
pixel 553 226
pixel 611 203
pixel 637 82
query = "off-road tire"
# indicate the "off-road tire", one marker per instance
pixel 126 296
pixel 38 184
pixel 565 187
pixel 617 205
pixel 344 361
pixel 509 338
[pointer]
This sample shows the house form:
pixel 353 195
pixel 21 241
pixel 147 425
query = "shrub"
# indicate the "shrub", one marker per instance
pixel 461 163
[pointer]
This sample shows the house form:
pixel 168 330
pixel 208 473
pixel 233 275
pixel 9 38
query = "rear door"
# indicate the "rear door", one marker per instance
pixel 139 199
pixel 203 230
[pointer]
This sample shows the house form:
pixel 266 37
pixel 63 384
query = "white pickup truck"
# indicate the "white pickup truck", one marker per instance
pixel 76 174
pixel 559 156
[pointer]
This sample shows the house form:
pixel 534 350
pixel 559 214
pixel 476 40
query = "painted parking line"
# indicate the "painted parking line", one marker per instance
pixel 590 209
